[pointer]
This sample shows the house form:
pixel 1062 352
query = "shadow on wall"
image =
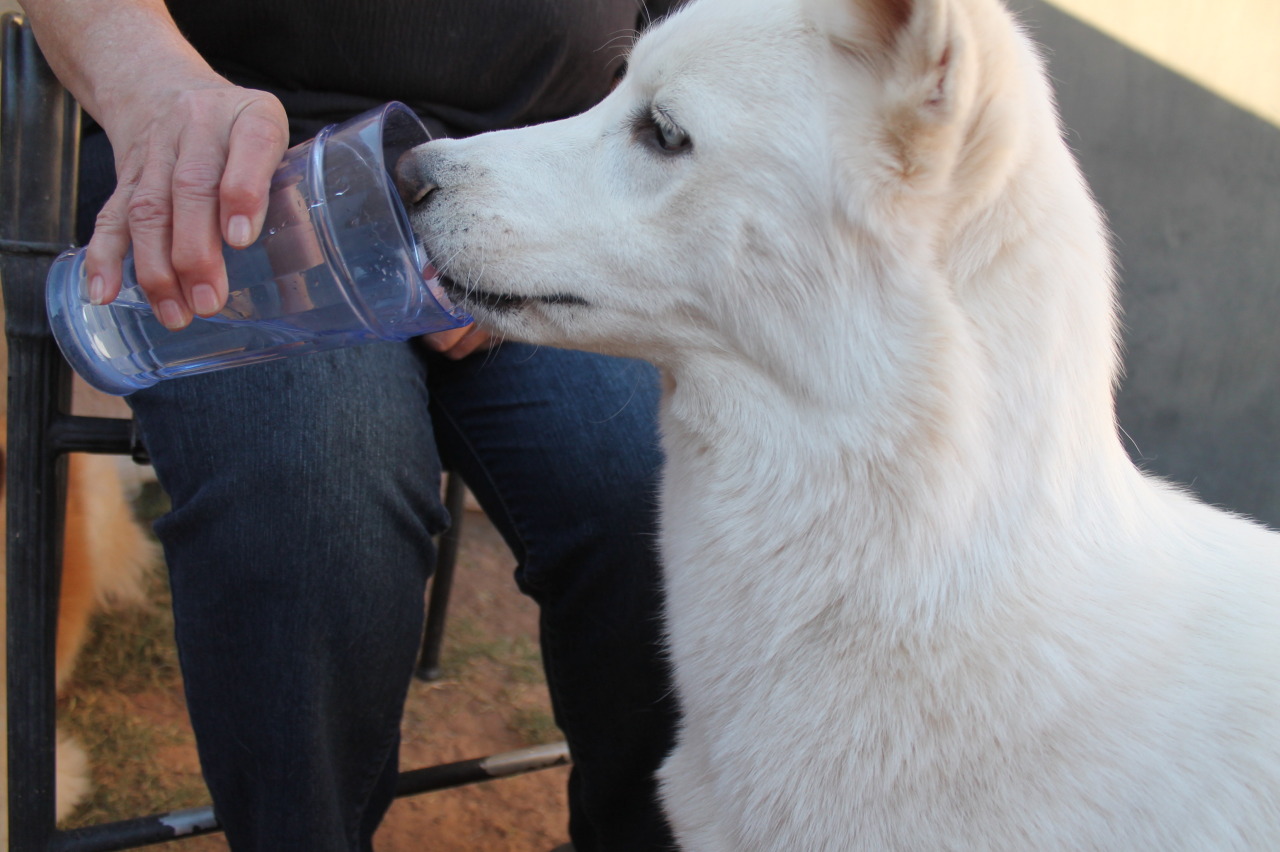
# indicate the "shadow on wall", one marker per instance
pixel 1191 185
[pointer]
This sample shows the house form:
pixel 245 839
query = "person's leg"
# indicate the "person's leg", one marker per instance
pixel 561 450
pixel 305 493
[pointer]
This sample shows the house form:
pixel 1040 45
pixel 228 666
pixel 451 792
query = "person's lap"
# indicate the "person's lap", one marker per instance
pixel 305 493
pixel 570 477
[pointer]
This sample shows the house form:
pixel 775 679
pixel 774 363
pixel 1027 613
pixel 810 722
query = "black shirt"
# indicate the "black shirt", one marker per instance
pixel 465 66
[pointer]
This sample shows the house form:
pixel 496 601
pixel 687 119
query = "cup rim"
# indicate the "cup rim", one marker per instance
pixel 320 213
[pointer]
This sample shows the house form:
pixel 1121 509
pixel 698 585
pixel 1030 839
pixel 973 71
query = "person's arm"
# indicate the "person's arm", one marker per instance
pixel 194 153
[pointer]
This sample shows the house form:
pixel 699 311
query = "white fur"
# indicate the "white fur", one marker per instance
pixel 918 596
pixel 72 785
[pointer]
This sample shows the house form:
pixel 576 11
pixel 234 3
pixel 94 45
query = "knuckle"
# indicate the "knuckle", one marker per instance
pixel 148 210
pixel 156 281
pixel 191 260
pixel 112 219
pixel 196 180
pixel 240 193
pixel 263 130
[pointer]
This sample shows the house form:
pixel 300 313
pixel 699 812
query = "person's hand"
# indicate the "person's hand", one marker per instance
pixel 193 169
pixel 458 343
pixel 194 153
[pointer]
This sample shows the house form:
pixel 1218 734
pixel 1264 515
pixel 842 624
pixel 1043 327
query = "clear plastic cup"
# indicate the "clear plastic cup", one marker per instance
pixel 337 264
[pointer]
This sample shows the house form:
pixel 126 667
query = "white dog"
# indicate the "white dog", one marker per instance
pixel 918 596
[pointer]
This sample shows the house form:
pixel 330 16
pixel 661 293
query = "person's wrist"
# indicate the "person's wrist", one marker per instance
pixel 111 53
pixel 124 102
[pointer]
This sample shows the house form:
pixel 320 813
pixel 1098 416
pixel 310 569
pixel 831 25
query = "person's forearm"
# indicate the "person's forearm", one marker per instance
pixel 194 153
pixel 110 53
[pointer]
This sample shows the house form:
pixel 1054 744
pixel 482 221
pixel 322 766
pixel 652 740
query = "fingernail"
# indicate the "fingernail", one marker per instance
pixel 205 299
pixel 97 290
pixel 238 231
pixel 171 315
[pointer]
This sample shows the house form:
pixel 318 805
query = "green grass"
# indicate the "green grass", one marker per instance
pixel 465 643
pixel 130 654
pixel 535 726
pixel 520 662
pixel 129 778
pixel 132 650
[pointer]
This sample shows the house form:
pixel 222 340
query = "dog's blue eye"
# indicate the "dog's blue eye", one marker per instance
pixel 652 126
pixel 669 135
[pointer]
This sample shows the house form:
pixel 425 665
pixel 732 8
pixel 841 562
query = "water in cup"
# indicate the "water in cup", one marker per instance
pixel 336 264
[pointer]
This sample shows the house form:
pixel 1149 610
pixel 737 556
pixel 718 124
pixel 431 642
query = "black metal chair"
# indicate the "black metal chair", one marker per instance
pixel 39 144
pixel 442 580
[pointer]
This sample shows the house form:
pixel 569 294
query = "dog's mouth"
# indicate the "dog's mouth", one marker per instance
pixel 471 296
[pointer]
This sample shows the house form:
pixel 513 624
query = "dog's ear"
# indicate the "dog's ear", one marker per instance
pixel 916 50
pixel 914 42
pixel 861 27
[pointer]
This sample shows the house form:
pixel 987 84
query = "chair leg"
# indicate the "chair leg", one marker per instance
pixel 442 583
pixel 39 123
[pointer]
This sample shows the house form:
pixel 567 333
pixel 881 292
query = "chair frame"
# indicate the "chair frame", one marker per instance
pixel 39 148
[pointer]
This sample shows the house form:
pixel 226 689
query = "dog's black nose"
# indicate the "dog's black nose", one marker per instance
pixel 411 180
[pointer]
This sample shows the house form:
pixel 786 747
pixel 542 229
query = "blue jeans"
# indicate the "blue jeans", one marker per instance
pixel 305 494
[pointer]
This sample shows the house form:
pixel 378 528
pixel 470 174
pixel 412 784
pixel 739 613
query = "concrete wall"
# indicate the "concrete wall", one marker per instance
pixel 1191 182
pixel 1231 47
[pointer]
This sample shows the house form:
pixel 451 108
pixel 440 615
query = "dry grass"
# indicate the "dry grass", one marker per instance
pixel 130 661
pixel 124 702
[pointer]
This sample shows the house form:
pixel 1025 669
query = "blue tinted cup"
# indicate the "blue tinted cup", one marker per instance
pixel 336 264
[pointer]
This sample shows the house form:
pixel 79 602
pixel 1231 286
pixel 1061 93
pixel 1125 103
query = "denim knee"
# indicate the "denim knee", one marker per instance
pixel 323 463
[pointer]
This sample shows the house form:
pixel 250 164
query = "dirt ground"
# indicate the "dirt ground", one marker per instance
pixel 125 706
pixel 459 719
pixel 491 699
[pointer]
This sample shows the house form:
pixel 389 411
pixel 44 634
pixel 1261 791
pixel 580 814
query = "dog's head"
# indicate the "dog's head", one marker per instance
pixel 748 179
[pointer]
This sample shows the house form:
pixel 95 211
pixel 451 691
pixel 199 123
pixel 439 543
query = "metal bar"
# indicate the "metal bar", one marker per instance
pixel 28 247
pixel 34 471
pixel 111 435
pixel 39 139
pixel 39 143
pixel 465 772
pixel 135 833
pixel 442 582
pixel 193 822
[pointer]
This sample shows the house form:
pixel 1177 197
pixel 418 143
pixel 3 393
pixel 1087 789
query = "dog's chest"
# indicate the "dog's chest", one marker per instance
pixel 754 544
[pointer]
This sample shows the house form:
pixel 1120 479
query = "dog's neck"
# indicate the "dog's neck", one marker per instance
pixel 980 411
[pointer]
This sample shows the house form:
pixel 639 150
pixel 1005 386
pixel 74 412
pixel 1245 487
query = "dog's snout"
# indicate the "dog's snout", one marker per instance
pixel 412 178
